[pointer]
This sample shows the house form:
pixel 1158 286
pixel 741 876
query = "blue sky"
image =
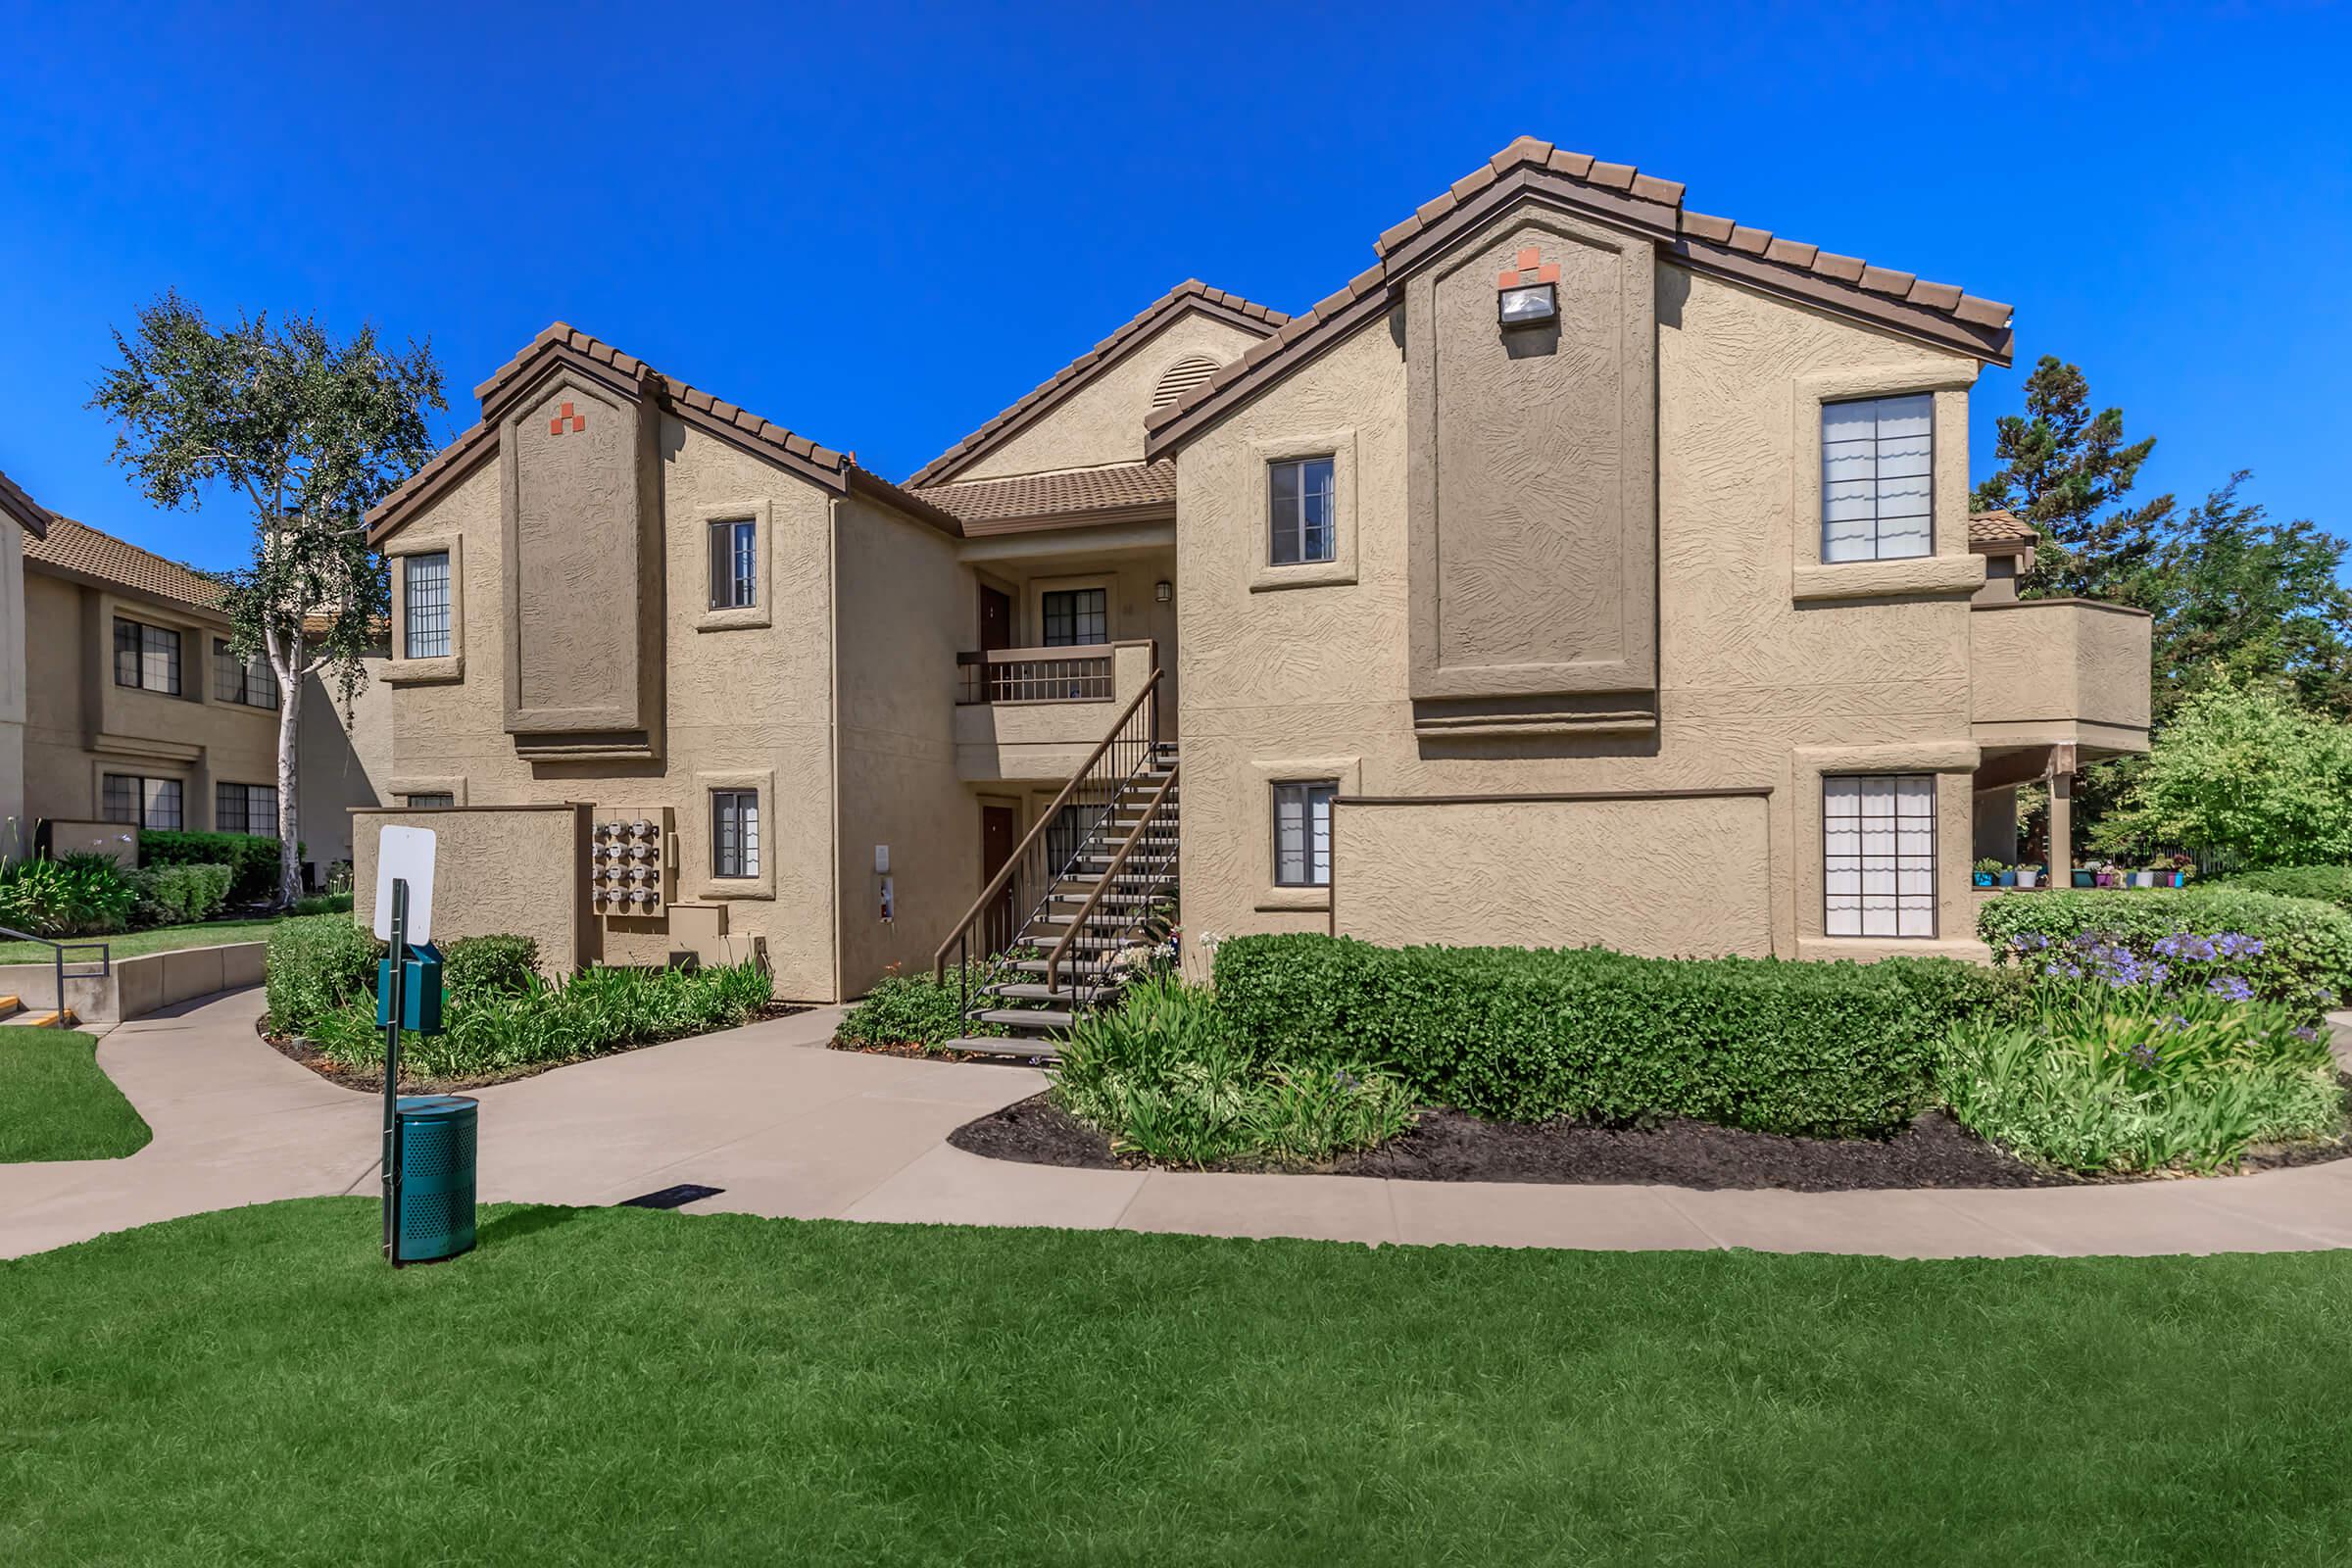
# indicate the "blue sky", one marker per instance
pixel 879 225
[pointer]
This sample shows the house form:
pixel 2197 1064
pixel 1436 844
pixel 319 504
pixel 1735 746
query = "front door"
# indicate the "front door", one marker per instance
pixel 996 619
pixel 998 832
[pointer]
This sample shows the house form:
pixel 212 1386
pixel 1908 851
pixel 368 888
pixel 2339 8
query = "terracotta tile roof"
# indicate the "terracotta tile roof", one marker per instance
pixel 1621 193
pixel 82 550
pixel 1122 486
pixel 1190 294
pixel 28 513
pixel 837 468
pixel 1995 530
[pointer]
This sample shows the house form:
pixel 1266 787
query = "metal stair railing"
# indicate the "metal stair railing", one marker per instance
pixel 1135 835
pixel 1027 880
pixel 59 960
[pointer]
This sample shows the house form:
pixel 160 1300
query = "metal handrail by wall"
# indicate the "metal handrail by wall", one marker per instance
pixel 1021 888
pixel 59 960
pixel 1111 873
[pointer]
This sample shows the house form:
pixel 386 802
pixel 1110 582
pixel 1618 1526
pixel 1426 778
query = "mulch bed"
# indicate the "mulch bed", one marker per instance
pixel 366 1080
pixel 1450 1146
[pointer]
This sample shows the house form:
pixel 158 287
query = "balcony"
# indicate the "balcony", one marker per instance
pixel 1037 713
pixel 2060 672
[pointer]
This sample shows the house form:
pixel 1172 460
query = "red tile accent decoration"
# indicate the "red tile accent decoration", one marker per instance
pixel 555 426
pixel 1507 278
pixel 577 421
pixel 1527 258
pixel 1549 272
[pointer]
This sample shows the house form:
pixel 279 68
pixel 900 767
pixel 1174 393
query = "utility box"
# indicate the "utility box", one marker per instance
pixel 437 1134
pixel 421 1001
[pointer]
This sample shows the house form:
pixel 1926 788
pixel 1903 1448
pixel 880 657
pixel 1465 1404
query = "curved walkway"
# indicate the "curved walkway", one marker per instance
pixel 786 1127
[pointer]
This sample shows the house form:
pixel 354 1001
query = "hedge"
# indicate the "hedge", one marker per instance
pixel 1829 1050
pixel 252 860
pixel 2329 884
pixel 180 895
pixel 2305 959
pixel 314 966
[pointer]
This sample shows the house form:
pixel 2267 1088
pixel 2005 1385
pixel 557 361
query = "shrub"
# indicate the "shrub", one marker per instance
pixel 1821 1048
pixel 323 904
pixel 477 966
pixel 316 966
pixel 2095 1079
pixel 2304 957
pixel 76 894
pixel 915 1009
pixel 2329 884
pixel 1167 1077
pixel 178 895
pixel 250 858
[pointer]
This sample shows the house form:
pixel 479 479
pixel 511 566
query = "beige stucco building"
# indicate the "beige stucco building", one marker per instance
pixel 1586 569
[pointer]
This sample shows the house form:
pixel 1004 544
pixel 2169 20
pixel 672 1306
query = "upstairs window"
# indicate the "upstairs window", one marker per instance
pixel 1303 833
pixel 424 606
pixel 734 564
pixel 147 802
pixel 245 809
pixel 250 681
pixel 1299 493
pixel 1074 616
pixel 146 658
pixel 734 833
pixel 1878 463
pixel 1878 845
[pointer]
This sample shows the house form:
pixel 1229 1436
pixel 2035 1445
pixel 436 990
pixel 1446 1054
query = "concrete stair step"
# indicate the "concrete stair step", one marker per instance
pixel 1024 1017
pixel 1023 991
pixel 44 1019
pixel 9 1005
pixel 1003 1046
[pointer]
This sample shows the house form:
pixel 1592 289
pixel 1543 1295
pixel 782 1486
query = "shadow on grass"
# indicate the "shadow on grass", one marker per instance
pixel 526 1221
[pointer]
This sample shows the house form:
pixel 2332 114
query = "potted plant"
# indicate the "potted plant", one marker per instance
pixel 2183 866
pixel 2106 876
pixel 2028 876
pixel 1986 871
pixel 2085 877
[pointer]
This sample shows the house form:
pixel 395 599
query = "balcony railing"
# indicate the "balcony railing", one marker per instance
pixel 1034 675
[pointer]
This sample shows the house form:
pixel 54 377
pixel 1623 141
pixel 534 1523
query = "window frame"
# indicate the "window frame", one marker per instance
pixel 1078 617
pixel 428 800
pixel 447 607
pixel 147 789
pixel 747 863
pixel 1303 468
pixel 1897 862
pixel 148 639
pixel 1876 554
pixel 1330 787
pixel 222 793
pixel 739 536
pixel 233 678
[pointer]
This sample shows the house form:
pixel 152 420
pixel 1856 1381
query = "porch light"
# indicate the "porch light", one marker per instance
pixel 1532 305
pixel 1162 592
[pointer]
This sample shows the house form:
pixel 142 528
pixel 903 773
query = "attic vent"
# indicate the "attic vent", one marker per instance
pixel 1181 377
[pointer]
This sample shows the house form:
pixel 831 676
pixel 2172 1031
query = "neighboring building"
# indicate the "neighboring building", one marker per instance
pixel 1586 569
pixel 136 712
pixel 21 519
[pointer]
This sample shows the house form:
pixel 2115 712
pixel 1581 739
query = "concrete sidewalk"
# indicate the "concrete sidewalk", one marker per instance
pixel 786 1127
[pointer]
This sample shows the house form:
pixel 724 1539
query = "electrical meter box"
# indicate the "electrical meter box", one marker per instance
pixel 633 862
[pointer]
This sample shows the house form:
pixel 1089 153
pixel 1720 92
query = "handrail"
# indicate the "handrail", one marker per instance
pixel 57 956
pixel 1036 830
pixel 1111 873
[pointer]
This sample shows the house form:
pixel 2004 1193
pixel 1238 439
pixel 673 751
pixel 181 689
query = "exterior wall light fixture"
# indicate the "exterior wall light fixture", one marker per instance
pixel 1528 294
pixel 1162 592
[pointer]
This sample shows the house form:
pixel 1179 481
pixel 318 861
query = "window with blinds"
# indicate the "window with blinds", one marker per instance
pixel 1075 617
pixel 1299 497
pixel 424 606
pixel 146 658
pixel 1878 845
pixel 735 833
pixel 147 802
pixel 734 564
pixel 245 809
pixel 250 681
pixel 1878 460
pixel 1303 833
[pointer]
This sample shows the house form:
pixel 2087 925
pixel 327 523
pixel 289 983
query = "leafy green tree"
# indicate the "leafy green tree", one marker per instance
pixel 2068 471
pixel 2244 777
pixel 308 433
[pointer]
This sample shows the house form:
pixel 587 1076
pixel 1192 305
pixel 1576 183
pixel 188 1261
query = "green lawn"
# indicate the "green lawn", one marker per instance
pixel 161 939
pixel 56 1103
pixel 619 1386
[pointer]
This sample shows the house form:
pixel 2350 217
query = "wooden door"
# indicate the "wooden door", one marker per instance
pixel 999 831
pixel 996 619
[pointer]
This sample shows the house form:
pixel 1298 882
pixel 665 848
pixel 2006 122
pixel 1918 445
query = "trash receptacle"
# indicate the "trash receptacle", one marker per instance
pixel 436 1176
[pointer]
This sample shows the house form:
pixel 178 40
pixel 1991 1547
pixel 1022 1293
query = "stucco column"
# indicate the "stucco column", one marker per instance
pixel 2062 830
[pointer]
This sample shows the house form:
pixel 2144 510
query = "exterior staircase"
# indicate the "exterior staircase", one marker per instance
pixel 1115 894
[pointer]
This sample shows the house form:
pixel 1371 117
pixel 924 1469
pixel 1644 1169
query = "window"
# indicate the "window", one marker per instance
pixel 1877 846
pixel 1301 493
pixel 147 802
pixel 735 833
pixel 1076 616
pixel 1878 479
pixel 146 656
pixel 429 800
pixel 424 602
pixel 734 564
pixel 250 681
pixel 245 809
pixel 1303 833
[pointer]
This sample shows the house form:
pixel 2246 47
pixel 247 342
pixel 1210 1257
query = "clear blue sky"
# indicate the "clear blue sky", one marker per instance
pixel 878 225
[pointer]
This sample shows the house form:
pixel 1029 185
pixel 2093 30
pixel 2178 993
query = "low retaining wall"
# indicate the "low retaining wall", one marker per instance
pixel 138 986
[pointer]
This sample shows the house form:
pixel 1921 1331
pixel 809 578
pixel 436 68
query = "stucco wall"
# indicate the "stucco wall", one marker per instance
pixel 12 678
pixel 1104 422
pixel 749 700
pixel 1667 877
pixel 1313 681
pixel 342 767
pixel 496 870
pixel 2061 670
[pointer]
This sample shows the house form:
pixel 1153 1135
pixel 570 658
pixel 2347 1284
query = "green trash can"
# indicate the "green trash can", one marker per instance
pixel 436 1176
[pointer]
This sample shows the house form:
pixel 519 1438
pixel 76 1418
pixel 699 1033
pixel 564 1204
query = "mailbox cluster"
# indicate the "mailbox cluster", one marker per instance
pixel 629 860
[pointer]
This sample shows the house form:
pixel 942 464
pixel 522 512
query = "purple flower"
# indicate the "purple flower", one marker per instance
pixel 2308 1035
pixel 2146 1054
pixel 2232 987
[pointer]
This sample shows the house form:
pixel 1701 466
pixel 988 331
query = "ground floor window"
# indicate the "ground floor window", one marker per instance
pixel 1877 846
pixel 1303 833
pixel 245 808
pixel 148 802
pixel 735 833
pixel 429 800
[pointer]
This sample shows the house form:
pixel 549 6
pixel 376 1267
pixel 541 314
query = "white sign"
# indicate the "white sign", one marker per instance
pixel 405 853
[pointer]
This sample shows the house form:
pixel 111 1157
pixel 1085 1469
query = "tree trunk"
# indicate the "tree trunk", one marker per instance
pixel 289 769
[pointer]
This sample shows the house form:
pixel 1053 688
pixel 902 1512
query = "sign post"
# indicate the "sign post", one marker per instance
pixel 403 915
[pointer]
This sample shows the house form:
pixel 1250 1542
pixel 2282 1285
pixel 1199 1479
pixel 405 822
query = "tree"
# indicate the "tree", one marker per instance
pixel 2243 776
pixel 2061 467
pixel 308 433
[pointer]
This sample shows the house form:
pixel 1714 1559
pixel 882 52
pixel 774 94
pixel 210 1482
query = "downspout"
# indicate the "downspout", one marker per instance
pixel 840 917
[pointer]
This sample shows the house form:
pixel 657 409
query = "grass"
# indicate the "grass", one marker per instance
pixel 57 1103
pixel 615 1385
pixel 158 939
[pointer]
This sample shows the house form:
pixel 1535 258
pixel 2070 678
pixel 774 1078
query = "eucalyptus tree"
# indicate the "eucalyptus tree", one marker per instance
pixel 305 432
